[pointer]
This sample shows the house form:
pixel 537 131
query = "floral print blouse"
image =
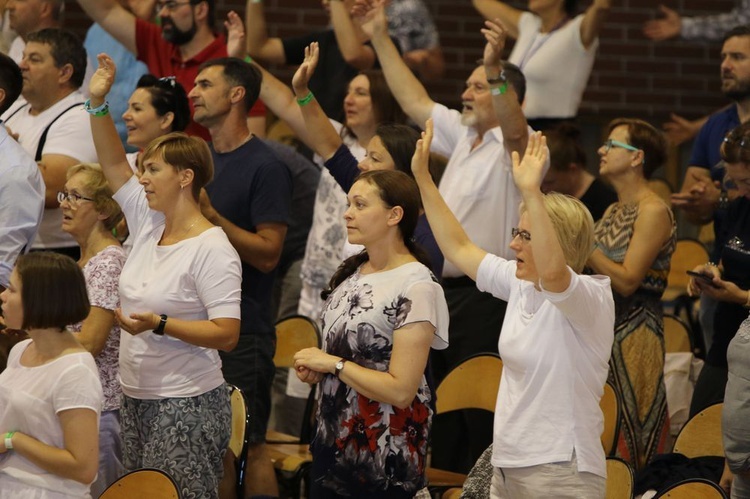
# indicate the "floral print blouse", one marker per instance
pixel 365 444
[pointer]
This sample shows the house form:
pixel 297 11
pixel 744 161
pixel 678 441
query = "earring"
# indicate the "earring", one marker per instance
pixel 182 187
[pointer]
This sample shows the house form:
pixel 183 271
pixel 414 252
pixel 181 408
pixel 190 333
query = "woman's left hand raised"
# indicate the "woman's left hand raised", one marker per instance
pixel 301 78
pixel 529 171
pixel 138 322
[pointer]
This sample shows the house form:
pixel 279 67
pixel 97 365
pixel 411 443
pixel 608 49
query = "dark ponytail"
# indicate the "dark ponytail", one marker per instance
pixel 396 189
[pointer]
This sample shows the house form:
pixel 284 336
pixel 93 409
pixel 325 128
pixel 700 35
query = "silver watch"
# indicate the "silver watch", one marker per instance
pixel 339 367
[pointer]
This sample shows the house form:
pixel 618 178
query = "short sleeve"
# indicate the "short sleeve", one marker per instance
pixel 448 129
pixel 495 275
pixel 218 277
pixel 78 387
pixel 104 279
pixel 272 194
pixel 424 301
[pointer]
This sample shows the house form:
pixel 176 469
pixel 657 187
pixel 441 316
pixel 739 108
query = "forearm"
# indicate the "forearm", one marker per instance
pixel 219 334
pixel 59 462
pixel 404 85
pixel 109 148
pixel 624 282
pixel 450 236
pixel 349 41
pixel 552 268
pixel 493 9
pixel 380 386
pixel 593 21
pixel 280 99
pixel 259 45
pixel 262 253
pixel 509 113
pixel 321 135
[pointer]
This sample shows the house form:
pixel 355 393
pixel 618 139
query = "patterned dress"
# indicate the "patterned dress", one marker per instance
pixel 637 362
pixel 362 447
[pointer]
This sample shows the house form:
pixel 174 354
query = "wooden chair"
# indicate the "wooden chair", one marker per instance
pixel 611 406
pixel 453 493
pixel 620 481
pixel 694 488
pixel 294 333
pixel 238 440
pixel 688 254
pixel 147 482
pixel 701 435
pixel 472 384
pixel 677 337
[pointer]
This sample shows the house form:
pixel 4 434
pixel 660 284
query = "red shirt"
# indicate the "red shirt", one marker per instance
pixel 164 59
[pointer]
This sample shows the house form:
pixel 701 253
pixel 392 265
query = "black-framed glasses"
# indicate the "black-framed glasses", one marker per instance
pixel 72 198
pixel 525 236
pixel 170 5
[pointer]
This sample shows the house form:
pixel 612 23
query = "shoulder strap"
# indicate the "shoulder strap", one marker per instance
pixel 16 111
pixel 43 138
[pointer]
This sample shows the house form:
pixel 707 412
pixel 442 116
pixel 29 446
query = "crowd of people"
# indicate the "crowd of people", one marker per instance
pixel 151 236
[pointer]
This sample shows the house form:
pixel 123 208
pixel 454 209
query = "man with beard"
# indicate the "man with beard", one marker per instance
pixel 703 198
pixel 185 40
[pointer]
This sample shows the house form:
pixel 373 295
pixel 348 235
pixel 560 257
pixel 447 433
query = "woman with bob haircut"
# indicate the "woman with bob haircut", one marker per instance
pixel 180 299
pixel 382 314
pixel 635 239
pixel 556 338
pixel 50 394
pixel 89 215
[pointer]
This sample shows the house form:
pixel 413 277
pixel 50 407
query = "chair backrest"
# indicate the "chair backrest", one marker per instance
pixel 294 333
pixel 694 488
pixel 688 254
pixel 147 482
pixel 611 407
pixel 676 335
pixel 240 421
pixel 472 384
pixel 453 493
pixel 619 479
pixel 701 435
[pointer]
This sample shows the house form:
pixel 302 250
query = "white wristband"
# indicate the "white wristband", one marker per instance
pixel 9 440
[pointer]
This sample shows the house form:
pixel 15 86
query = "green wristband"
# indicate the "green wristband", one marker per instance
pixel 499 90
pixel 306 99
pixel 102 110
pixel 9 440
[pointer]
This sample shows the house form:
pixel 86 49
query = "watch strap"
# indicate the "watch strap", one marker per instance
pixel 159 330
pixel 339 367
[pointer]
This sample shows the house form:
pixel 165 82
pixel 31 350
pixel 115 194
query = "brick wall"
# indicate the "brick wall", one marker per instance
pixel 632 75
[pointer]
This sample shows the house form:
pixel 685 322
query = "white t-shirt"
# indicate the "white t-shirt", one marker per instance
pixel 31 398
pixel 556 66
pixel 555 349
pixel 195 279
pixel 477 184
pixel 69 136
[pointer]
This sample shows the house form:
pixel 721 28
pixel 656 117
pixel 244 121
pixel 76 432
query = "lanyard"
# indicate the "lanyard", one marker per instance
pixel 536 45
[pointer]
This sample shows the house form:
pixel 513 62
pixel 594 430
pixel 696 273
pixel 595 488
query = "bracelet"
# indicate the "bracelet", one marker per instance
pixel 102 110
pixel 248 59
pixel 712 264
pixel 9 440
pixel 306 99
pixel 499 90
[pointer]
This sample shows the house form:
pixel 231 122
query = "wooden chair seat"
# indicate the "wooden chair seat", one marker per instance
pixel 147 482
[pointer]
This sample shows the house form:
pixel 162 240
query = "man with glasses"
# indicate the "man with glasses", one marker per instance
pixel 50 123
pixel 185 40
pixel 21 184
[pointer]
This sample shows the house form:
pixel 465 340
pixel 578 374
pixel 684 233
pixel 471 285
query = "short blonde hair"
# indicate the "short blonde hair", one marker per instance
pixel 182 152
pixel 574 227
pixel 97 188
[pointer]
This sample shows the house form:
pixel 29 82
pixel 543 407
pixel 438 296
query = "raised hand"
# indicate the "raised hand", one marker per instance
pixel 370 16
pixel 679 129
pixel 662 29
pixel 528 172
pixel 103 77
pixel 495 34
pixel 421 160
pixel 235 35
pixel 301 78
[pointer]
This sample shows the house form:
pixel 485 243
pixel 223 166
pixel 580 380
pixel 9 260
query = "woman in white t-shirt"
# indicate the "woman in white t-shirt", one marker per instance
pixel 556 339
pixel 384 309
pixel 50 394
pixel 180 299
pixel 555 50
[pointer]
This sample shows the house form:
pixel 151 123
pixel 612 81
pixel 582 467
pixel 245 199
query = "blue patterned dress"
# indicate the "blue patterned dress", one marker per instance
pixel 365 448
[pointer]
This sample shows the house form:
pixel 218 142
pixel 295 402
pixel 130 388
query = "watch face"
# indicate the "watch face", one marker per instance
pixel 339 365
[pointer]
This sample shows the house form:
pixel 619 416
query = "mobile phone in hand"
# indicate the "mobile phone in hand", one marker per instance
pixel 705 278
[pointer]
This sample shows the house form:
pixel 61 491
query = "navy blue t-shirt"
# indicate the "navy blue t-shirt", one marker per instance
pixel 252 186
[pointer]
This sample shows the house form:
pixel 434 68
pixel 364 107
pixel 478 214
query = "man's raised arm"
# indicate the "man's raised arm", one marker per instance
pixel 114 18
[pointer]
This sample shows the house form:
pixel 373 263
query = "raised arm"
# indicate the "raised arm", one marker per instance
pixel 114 18
pixel 259 45
pixel 494 9
pixel 405 87
pixel 651 229
pixel 350 38
pixel 109 148
pixel 450 236
pixel 142 9
pixel 528 175
pixel 504 98
pixel 593 20
pixel 321 135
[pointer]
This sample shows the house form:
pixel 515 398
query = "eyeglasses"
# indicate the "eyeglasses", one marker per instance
pixel 610 143
pixel 525 236
pixel 170 5
pixel 72 198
